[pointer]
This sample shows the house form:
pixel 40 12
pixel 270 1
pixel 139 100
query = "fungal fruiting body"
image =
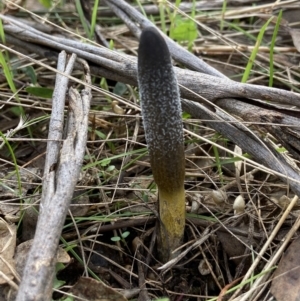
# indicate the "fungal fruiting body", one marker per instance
pixel 161 112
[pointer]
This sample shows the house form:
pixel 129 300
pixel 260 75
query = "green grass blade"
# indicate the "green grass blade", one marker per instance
pixel 218 163
pixel 162 16
pixel 141 7
pixel 9 78
pixel 77 257
pixel 7 73
pixel 254 51
pixel 273 41
pixel 240 29
pixel 223 14
pixel 2 35
pixel 82 17
pixel 94 18
pixel 245 282
pixel 101 162
pixel 14 162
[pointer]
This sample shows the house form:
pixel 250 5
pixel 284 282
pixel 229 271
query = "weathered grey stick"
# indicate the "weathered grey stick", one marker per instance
pixel 132 18
pixel 248 142
pixel 61 173
pixel 286 128
pixel 153 9
pixel 123 68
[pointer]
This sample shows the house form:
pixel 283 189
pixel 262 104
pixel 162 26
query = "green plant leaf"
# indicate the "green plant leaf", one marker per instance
pixel 13 157
pixel 58 283
pixel 281 149
pixel 69 298
pixel 110 168
pixel 40 92
pixel 17 111
pixel 145 198
pixel 82 17
pixel 2 34
pixel 59 266
pixel 125 234
pixel 46 3
pixel 31 73
pixel 184 30
pixel 120 89
pixel 115 238
pixel 7 73
pixel 186 115
pixel 105 162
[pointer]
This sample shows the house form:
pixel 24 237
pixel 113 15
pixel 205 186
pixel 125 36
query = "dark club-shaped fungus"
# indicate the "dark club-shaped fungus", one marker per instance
pixel 161 112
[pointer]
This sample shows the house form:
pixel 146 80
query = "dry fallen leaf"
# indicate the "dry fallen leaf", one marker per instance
pixel 234 248
pixel 93 290
pixel 77 208
pixel 23 250
pixel 286 283
pixel 7 250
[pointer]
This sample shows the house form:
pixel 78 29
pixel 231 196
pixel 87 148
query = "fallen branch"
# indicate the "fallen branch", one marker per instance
pixel 62 168
pixel 242 136
pixel 282 126
pixel 121 67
